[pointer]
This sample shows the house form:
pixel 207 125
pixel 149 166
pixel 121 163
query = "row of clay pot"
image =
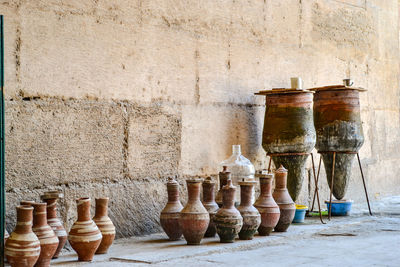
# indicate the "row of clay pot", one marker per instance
pixel 204 219
pixel 39 235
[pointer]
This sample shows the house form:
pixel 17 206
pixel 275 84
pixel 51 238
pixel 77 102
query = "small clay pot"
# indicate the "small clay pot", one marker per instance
pixel 104 224
pixel 169 217
pixel 84 236
pixel 55 223
pixel 251 216
pixel 266 205
pixel 224 176
pixel 194 217
pixel 284 201
pixel 47 237
pixel 210 205
pixel 23 247
pixel 228 218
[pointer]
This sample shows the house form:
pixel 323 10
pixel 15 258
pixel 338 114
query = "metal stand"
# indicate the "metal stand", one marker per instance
pixel 315 177
pixel 333 174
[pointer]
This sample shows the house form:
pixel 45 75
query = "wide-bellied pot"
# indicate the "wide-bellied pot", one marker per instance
pixel 284 201
pixel 338 125
pixel 251 216
pixel 22 247
pixel 223 176
pixel 228 219
pixel 47 237
pixel 169 217
pixel 210 205
pixel 51 198
pixel 266 204
pixel 84 236
pixel 289 128
pixel 104 224
pixel 194 218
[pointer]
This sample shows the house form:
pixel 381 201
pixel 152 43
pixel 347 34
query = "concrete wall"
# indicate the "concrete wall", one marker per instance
pixel 112 97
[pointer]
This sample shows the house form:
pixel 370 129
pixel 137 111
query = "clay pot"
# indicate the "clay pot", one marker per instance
pixel 266 205
pixel 23 247
pixel 284 201
pixel 289 128
pixel 51 199
pixel 194 217
pixel 338 124
pixel 228 219
pixel 169 217
pixel 47 237
pixel 104 224
pixel 251 216
pixel 224 176
pixel 84 236
pixel 210 205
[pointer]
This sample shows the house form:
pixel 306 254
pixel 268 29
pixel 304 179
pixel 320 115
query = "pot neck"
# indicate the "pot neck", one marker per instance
pixel 39 214
pixel 228 198
pixel 193 191
pixel 246 192
pixel 101 207
pixel 83 206
pixel 173 192
pixel 51 208
pixel 208 192
pixel 24 219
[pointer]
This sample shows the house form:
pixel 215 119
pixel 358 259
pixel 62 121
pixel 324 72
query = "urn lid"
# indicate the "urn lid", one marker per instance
pixel 247 182
pixel 281 169
pixel 336 88
pixel 194 180
pixel 264 174
pixel 276 91
pixel 51 195
pixel 228 185
pixel 172 181
pixel 208 180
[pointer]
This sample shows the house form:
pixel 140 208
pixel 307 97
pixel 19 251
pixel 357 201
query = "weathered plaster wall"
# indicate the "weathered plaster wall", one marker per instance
pixel 112 97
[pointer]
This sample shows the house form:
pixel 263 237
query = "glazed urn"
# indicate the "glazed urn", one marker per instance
pixel 104 224
pixel 210 205
pixel 51 198
pixel 266 204
pixel 84 236
pixel 47 237
pixel 338 125
pixel 194 218
pixel 251 216
pixel 284 201
pixel 169 217
pixel 22 248
pixel 228 219
pixel 289 132
pixel 223 176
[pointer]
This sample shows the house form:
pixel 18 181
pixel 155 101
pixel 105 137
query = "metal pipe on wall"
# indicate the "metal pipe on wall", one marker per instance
pixel 2 148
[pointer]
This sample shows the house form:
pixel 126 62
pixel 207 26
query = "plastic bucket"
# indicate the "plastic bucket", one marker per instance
pixel 300 214
pixel 340 208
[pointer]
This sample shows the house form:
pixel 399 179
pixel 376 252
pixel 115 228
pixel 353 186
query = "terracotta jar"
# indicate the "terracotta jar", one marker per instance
pixel 228 219
pixel 266 204
pixel 284 201
pixel 194 217
pixel 47 237
pixel 104 224
pixel 22 247
pixel 251 216
pixel 337 120
pixel 224 176
pixel 210 205
pixel 51 199
pixel 169 217
pixel 84 236
pixel 289 131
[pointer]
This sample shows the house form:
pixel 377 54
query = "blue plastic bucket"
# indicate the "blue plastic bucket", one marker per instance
pixel 340 208
pixel 300 214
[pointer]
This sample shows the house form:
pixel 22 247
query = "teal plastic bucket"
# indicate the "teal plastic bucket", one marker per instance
pixel 300 214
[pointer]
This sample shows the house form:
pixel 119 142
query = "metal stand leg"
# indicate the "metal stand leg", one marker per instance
pixel 333 175
pixel 365 188
pixel 316 183
pixel 316 189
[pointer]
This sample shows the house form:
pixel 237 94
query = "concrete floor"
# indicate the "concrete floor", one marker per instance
pixel 356 240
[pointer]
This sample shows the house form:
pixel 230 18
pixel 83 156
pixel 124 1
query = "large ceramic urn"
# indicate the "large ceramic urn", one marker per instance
pixel 338 125
pixel 289 131
pixel 169 217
